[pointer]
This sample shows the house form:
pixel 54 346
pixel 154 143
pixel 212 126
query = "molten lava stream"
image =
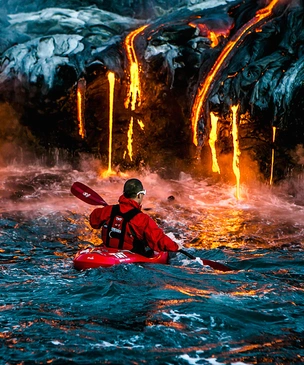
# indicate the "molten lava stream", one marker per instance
pixel 236 149
pixel 272 155
pixel 130 139
pixel 134 89
pixel 81 87
pixel 111 79
pixel 212 140
pixel 235 41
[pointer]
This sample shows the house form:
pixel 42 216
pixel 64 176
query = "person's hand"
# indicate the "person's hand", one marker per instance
pixel 180 246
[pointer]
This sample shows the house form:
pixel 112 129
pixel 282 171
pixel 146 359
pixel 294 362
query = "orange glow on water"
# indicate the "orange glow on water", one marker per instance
pixel 134 90
pixel 272 155
pixel 246 290
pixel 81 87
pixel 130 139
pixel 235 41
pixel 236 149
pixel 212 140
pixel 111 79
pixel 191 291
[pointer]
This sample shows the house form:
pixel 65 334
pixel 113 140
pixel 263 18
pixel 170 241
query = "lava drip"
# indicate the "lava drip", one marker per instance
pixel 111 79
pixel 81 89
pixel 236 149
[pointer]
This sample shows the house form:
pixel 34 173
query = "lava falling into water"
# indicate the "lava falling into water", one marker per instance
pixel 81 88
pixel 130 139
pixel 235 41
pixel 212 140
pixel 272 155
pixel 111 79
pixel 236 149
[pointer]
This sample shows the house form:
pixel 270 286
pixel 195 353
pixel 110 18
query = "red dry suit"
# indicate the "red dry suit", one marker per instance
pixel 141 230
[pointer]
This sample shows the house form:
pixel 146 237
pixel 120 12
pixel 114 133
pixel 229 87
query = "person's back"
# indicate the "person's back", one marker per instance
pixel 125 226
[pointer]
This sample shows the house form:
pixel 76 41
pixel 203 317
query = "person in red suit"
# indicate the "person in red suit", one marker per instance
pixel 125 226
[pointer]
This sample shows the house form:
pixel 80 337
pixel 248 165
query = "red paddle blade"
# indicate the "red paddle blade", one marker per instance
pixel 216 265
pixel 86 194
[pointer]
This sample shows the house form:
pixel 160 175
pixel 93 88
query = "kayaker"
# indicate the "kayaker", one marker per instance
pixel 125 226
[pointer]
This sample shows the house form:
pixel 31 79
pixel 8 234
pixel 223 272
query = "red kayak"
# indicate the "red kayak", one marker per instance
pixel 93 257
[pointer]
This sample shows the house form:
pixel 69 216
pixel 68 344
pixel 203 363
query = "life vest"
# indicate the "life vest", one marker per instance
pixel 117 233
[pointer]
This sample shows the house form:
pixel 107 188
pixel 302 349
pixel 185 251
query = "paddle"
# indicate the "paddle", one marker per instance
pixel 213 264
pixel 89 196
pixel 86 194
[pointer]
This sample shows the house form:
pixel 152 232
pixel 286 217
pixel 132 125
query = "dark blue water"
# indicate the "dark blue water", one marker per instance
pixel 181 313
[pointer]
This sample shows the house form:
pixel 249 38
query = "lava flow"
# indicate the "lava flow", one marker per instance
pixel 111 79
pixel 212 140
pixel 81 87
pixel 212 35
pixel 130 139
pixel 272 155
pixel 236 149
pixel 134 90
pixel 235 41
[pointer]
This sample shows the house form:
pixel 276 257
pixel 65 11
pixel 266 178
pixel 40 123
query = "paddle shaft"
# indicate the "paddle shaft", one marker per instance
pixel 213 264
pixel 89 196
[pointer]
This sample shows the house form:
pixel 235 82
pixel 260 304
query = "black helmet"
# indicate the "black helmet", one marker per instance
pixel 132 187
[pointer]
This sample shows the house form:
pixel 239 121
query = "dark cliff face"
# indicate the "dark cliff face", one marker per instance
pixel 48 49
pixel 140 9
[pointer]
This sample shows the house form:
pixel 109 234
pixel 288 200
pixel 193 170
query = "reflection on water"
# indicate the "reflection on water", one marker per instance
pixel 181 313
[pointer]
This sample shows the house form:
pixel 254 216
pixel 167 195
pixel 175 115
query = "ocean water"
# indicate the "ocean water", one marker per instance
pixel 180 313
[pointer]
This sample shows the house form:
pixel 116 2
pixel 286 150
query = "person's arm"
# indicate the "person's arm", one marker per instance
pixel 99 216
pixel 157 239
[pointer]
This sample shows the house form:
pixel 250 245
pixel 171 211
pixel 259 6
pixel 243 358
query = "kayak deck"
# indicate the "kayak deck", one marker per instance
pixel 94 257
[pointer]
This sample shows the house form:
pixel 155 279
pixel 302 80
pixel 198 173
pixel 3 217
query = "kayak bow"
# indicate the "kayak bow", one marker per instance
pixel 94 257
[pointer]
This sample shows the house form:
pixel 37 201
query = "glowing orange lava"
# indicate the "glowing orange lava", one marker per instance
pixel 234 42
pixel 81 87
pixel 214 39
pixel 141 124
pixel 236 149
pixel 272 155
pixel 212 140
pixel 212 35
pixel 130 139
pixel 111 79
pixel 134 91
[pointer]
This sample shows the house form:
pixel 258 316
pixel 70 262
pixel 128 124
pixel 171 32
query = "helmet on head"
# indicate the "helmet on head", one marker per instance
pixel 132 188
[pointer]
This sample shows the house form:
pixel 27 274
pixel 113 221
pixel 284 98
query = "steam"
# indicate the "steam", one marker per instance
pixel 11 135
pixel 298 154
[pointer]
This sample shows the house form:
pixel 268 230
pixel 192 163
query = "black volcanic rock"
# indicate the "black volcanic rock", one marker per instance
pixel 46 47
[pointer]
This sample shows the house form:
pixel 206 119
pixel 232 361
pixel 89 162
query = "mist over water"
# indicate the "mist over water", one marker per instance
pixel 181 313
